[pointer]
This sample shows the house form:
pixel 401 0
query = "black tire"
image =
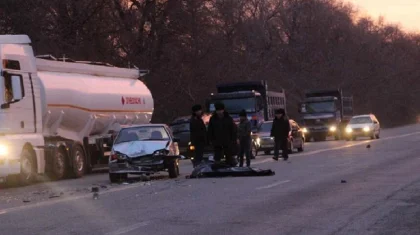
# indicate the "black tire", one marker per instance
pixel 267 152
pixel 59 165
pixel 79 162
pixel 116 177
pixel 377 136
pixel 373 136
pixel 28 167
pixel 173 170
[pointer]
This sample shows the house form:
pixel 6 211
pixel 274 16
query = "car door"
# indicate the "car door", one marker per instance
pixel 376 124
pixel 295 133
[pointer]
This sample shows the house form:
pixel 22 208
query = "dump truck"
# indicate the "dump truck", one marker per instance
pixel 58 117
pixel 251 96
pixel 325 113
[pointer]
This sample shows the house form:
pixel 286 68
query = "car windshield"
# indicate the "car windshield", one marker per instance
pixel 236 105
pixel 266 127
pixel 142 133
pixel 320 107
pixel 180 127
pixel 360 120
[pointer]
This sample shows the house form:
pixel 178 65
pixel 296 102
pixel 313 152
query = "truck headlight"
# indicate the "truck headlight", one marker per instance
pixel 333 128
pixel 349 130
pixel 4 150
pixel 366 129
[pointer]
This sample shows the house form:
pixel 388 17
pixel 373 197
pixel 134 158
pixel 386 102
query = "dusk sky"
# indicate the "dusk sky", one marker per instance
pixel 404 12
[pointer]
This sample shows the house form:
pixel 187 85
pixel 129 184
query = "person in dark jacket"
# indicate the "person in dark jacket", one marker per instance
pixel 198 133
pixel 244 135
pixel 280 131
pixel 222 134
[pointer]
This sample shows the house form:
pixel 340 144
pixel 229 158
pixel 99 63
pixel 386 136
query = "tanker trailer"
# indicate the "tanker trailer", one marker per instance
pixel 57 118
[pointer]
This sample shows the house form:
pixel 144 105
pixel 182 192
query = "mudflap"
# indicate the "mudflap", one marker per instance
pixel 212 169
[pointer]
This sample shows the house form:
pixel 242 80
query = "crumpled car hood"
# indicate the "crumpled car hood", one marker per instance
pixel 140 148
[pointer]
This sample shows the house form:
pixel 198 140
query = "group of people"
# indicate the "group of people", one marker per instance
pixel 226 137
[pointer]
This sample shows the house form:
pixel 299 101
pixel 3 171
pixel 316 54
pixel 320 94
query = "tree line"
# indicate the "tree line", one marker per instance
pixel 191 45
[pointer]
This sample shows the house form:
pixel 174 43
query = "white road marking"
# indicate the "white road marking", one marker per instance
pixel 130 228
pixel 273 185
pixel 73 198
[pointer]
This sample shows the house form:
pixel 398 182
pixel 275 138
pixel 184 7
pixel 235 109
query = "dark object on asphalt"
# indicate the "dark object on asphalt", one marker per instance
pixel 212 169
pixel 95 189
pixel 53 196
pixel 343 181
pixel 368 146
pixel 26 200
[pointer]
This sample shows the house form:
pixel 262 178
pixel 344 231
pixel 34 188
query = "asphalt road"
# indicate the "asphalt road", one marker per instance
pixel 334 187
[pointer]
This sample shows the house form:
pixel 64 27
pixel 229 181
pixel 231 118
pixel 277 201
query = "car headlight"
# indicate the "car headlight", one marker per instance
pixel 333 128
pixel 366 129
pixel 4 150
pixel 349 130
pixel 305 130
pixel 258 140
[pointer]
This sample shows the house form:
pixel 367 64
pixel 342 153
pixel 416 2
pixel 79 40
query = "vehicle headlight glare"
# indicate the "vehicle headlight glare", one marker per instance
pixel 4 150
pixel 366 129
pixel 305 130
pixel 349 130
pixel 258 140
pixel 333 128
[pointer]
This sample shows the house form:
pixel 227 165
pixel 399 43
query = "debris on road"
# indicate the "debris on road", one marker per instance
pixel 368 146
pixel 53 196
pixel 26 200
pixel 343 181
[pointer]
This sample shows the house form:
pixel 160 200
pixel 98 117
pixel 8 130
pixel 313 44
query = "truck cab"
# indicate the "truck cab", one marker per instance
pixel 21 138
pixel 325 113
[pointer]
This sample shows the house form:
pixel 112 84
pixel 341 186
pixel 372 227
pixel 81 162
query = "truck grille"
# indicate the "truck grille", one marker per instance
pixel 318 122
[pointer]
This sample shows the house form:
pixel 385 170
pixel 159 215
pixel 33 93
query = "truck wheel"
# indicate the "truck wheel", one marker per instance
pixel 59 165
pixel 115 178
pixel 173 169
pixel 27 167
pixel 79 162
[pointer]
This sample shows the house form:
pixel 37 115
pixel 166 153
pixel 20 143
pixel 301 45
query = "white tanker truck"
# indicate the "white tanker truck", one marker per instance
pixel 57 118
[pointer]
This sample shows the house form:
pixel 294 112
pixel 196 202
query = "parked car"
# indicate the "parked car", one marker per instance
pixel 264 142
pixel 144 149
pixel 363 126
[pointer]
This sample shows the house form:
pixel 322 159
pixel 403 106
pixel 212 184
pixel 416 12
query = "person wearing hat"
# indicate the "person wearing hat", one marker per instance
pixel 280 131
pixel 244 135
pixel 198 133
pixel 222 134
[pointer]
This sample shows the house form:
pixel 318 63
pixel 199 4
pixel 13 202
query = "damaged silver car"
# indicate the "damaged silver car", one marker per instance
pixel 144 150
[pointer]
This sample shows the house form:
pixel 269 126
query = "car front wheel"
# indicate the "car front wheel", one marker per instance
pixel 173 170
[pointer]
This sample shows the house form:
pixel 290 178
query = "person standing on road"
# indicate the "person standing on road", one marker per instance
pixel 198 133
pixel 244 135
pixel 222 134
pixel 280 131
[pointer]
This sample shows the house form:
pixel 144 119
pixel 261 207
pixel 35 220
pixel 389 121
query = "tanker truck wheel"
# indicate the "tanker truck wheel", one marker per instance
pixel 59 165
pixel 27 167
pixel 79 161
